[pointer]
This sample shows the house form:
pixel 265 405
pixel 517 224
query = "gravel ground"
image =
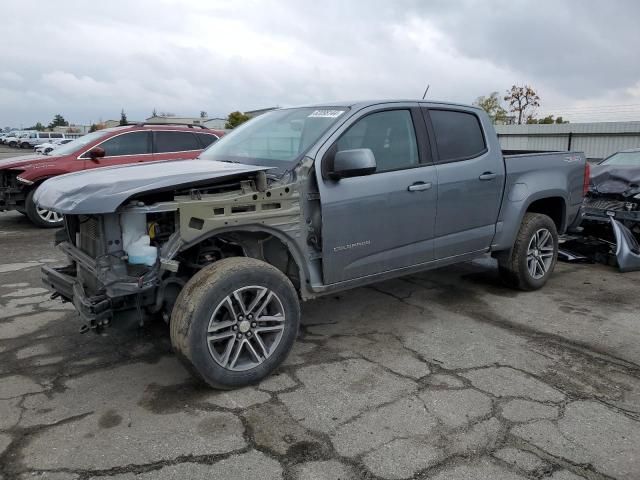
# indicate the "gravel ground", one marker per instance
pixel 443 375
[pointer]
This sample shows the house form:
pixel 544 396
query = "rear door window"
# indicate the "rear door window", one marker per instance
pixel 458 135
pixel 206 139
pixel 134 143
pixel 167 142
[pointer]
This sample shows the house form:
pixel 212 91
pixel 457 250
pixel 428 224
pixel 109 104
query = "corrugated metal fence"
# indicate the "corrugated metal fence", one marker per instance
pixel 596 140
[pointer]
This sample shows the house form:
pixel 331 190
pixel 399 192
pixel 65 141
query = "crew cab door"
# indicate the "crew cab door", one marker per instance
pixel 470 181
pixel 175 145
pixel 128 147
pixel 384 220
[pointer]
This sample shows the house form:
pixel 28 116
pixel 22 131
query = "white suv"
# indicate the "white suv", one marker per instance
pixel 36 138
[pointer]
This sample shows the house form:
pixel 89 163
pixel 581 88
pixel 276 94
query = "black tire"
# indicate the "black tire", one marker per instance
pixel 25 145
pixel 12 144
pixel 514 265
pixel 31 210
pixel 200 298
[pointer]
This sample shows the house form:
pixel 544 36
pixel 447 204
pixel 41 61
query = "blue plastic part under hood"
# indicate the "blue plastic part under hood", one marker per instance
pixel 103 190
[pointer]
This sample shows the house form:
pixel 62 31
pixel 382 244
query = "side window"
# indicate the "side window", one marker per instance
pixel 206 139
pixel 134 143
pixel 458 135
pixel 45 135
pixel 176 142
pixel 390 136
pixel 56 135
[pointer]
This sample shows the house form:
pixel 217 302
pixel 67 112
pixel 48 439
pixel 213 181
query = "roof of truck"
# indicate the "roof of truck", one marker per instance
pixel 367 103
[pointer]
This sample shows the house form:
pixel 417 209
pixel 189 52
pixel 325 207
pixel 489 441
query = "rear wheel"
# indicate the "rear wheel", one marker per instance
pixel 25 145
pixel 533 257
pixel 235 321
pixel 40 216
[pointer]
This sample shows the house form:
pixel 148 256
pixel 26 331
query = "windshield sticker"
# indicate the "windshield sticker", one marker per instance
pixel 326 114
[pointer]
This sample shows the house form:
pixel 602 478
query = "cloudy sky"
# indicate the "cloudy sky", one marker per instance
pixel 88 60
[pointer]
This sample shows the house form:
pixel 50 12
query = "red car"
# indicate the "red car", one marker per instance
pixel 144 142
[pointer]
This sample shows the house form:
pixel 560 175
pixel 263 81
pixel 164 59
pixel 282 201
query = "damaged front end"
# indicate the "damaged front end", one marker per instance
pixel 181 231
pixel 611 217
pixel 100 281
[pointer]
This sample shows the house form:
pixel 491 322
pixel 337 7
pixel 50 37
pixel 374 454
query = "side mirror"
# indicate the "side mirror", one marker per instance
pixel 353 163
pixel 96 152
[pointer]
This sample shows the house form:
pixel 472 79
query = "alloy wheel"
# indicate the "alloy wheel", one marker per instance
pixel 49 216
pixel 540 253
pixel 246 328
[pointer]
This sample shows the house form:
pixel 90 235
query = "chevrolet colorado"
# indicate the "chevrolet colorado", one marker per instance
pixel 297 203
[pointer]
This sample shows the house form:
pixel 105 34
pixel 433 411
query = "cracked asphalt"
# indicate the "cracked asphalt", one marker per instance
pixel 443 375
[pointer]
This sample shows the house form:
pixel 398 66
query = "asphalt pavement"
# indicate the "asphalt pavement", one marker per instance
pixel 444 375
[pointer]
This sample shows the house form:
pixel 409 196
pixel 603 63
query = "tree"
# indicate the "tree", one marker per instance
pixel 522 101
pixel 236 118
pixel 38 126
pixel 547 120
pixel 561 120
pixel 154 113
pixel 203 114
pixel 123 118
pixel 93 128
pixel 58 121
pixel 492 106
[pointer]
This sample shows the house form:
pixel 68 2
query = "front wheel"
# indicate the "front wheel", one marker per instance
pixel 40 216
pixel 533 257
pixel 235 321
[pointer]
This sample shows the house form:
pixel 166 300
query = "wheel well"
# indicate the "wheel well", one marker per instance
pixel 260 245
pixel 553 207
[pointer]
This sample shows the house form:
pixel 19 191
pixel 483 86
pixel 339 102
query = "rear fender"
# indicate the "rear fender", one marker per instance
pixel 515 204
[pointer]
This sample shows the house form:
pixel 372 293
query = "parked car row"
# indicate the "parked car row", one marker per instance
pixel 29 139
pixel 21 176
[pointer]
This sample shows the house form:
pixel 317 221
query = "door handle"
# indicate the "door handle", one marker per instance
pixel 419 186
pixel 488 176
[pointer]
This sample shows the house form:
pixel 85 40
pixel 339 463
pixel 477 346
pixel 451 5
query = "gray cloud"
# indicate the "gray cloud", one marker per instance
pixel 89 60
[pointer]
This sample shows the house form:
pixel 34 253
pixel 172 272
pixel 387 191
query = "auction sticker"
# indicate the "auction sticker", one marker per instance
pixel 326 114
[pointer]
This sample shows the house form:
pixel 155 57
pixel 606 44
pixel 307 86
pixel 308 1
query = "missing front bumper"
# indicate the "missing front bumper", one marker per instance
pixel 95 310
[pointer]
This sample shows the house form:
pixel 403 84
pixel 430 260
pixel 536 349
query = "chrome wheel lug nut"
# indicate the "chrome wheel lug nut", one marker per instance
pixel 234 328
pixel 248 334
pixel 254 324
pixel 239 335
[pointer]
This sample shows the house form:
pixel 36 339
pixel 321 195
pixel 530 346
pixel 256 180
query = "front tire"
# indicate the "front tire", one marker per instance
pixel 40 216
pixel 533 257
pixel 235 321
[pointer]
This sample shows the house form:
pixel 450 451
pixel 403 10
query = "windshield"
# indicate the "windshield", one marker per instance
pixel 631 159
pixel 274 139
pixel 78 143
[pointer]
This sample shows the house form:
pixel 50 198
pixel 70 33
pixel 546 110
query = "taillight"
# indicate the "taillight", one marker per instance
pixel 587 177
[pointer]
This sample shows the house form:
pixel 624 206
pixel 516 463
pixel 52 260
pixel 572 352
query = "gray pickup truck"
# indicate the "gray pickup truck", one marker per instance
pixel 298 203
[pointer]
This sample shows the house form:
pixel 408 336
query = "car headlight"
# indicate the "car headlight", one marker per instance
pixel 24 181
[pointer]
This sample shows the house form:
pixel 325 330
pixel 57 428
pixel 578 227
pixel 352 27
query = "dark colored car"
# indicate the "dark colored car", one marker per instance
pixel 21 176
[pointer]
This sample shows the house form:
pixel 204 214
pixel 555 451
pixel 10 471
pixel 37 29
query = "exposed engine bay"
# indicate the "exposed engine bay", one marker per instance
pixel 133 263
